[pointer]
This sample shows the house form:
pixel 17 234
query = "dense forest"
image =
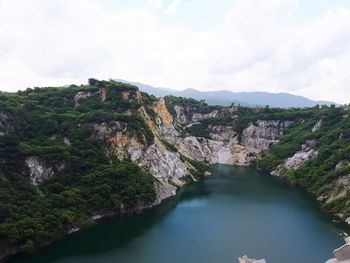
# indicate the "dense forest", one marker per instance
pixel 38 122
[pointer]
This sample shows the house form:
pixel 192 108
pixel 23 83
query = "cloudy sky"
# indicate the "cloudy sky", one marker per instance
pixel 296 46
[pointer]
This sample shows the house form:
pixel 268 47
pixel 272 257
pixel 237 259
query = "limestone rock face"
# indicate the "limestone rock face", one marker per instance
pixel 188 115
pixel 262 134
pixel 317 126
pixel 212 151
pixel 298 159
pixel 340 187
pixel 40 171
pixel 166 166
pixel 223 133
pixel 225 147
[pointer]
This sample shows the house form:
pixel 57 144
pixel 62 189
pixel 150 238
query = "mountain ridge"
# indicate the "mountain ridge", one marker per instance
pixel 227 97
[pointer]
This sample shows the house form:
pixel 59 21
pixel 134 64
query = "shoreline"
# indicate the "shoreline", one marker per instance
pixel 331 214
pixel 13 251
pixel 142 208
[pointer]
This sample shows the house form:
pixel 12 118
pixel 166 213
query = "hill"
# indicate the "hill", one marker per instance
pixel 225 97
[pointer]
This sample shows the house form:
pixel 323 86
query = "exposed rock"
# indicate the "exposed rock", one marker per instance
pixel 262 134
pixel 66 141
pixel 198 116
pixel 131 95
pixel 341 164
pixel 188 115
pixel 213 152
pixel 223 133
pixel 162 111
pixel 245 259
pixel 105 130
pixel 339 188
pixel 125 95
pixel 73 230
pixel 103 94
pixel 298 159
pixel 342 254
pixel 181 116
pixel 224 147
pixel 81 95
pixel 40 171
pixel 166 166
pixel 317 126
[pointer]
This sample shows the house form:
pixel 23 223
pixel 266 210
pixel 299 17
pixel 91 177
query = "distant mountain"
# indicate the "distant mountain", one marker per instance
pixel 225 97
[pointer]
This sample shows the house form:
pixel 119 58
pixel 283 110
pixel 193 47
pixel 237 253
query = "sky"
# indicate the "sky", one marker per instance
pixel 296 46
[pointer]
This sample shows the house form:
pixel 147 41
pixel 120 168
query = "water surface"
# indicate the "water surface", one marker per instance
pixel 235 212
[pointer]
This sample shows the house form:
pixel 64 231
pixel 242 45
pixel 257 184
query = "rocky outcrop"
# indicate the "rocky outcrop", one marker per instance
pixel 245 259
pixel 342 164
pixel 165 166
pixel 223 133
pixel 262 134
pixel 81 95
pixel 337 189
pixel 224 146
pixel 188 115
pixel 317 126
pixel 298 159
pixel 212 151
pixel 40 170
pixel 162 111
pixel 342 254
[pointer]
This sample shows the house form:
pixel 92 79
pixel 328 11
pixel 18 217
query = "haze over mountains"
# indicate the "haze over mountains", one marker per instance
pixel 225 97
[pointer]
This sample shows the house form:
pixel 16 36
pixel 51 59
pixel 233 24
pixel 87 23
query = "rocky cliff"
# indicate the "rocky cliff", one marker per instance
pixel 224 145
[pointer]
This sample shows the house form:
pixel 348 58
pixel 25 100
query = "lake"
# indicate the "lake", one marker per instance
pixel 236 211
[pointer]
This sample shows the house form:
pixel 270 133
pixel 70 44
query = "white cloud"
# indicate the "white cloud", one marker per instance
pixel 156 4
pixel 173 7
pixel 258 47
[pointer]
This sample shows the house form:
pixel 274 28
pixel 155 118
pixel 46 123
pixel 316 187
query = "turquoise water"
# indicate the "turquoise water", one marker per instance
pixel 235 212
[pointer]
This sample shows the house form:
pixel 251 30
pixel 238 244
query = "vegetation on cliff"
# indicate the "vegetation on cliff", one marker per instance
pixel 56 126
pixel 324 129
pixel 318 174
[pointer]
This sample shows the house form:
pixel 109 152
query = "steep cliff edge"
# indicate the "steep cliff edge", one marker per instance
pixel 211 135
